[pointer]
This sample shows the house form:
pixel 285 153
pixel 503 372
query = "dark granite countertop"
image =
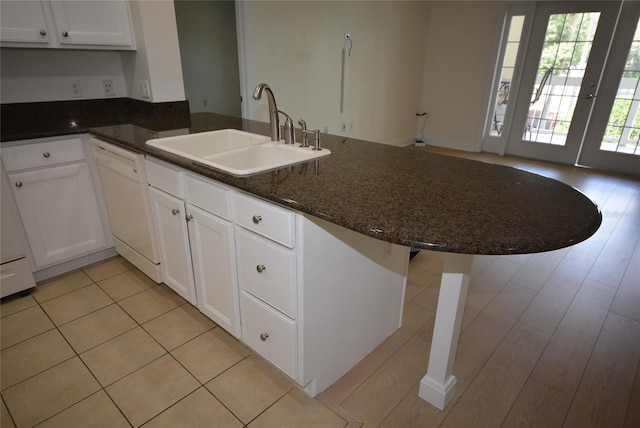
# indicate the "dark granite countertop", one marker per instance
pixel 404 196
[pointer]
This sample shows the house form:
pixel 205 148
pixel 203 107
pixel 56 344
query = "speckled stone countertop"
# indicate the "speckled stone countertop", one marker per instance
pixel 404 196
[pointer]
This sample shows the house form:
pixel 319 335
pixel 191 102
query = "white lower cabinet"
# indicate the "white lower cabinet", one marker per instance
pixel 197 248
pixel 175 252
pixel 54 191
pixel 310 297
pixel 214 260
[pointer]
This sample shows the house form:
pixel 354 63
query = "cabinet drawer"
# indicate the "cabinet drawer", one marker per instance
pixel 42 154
pixel 266 219
pixel 165 177
pixel 270 334
pixel 209 196
pixel 267 270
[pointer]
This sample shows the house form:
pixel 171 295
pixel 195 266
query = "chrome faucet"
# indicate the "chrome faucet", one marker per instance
pixel 274 119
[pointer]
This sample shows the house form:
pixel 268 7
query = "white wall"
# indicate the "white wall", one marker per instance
pixel 458 71
pixel 31 75
pixel 296 48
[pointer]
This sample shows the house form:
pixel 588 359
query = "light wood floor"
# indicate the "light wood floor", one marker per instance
pixel 548 340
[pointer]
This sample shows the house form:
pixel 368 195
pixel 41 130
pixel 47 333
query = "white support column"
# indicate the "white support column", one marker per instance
pixel 438 385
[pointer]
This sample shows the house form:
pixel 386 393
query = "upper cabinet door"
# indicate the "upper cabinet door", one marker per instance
pixel 92 22
pixel 23 21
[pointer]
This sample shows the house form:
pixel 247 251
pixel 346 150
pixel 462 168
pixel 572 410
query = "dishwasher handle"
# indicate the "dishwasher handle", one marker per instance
pixel 116 164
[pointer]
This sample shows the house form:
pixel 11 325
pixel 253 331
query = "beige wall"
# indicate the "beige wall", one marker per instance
pixel 406 57
pixel 458 69
pixel 296 48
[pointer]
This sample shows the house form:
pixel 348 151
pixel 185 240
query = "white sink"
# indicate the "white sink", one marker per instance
pixel 236 152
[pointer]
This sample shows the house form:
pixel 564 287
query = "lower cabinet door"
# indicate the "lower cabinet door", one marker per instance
pixel 213 255
pixel 175 254
pixel 59 211
pixel 270 334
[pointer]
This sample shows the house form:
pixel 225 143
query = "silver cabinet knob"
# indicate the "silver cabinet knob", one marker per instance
pixel 65 34
pixel 43 32
pixel 46 155
pixel 175 211
pixel 264 337
pixel 18 183
pixel 256 219
pixel 261 268
pixel 189 217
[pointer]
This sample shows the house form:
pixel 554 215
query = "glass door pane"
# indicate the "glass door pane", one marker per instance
pixel 511 48
pixel 567 45
pixel 623 126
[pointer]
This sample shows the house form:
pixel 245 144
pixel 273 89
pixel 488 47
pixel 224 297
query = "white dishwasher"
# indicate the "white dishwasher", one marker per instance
pixel 124 184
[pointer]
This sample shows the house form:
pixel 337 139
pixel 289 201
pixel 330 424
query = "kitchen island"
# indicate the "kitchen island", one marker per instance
pixel 410 198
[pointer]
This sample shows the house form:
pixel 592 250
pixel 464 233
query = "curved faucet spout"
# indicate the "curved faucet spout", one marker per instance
pixel 274 120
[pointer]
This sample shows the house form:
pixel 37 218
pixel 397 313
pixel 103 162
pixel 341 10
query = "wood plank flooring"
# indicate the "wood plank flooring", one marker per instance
pixel 548 340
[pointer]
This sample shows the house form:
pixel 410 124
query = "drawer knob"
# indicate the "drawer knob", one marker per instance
pixel 43 32
pixel 175 211
pixel 257 219
pixel 264 337
pixel 65 34
pixel 46 155
pixel 189 217
pixel 18 183
pixel 261 268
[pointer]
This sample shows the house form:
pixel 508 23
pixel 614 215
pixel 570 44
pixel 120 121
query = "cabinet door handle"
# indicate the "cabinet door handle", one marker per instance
pixel 175 211
pixel 264 337
pixel 43 32
pixel 261 268
pixel 257 219
pixel 46 155
pixel 189 217
pixel 18 183
pixel 65 34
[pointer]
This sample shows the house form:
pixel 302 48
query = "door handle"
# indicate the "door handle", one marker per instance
pixel 588 96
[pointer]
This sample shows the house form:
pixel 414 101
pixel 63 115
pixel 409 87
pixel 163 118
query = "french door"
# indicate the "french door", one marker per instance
pixel 572 72
pixel 612 138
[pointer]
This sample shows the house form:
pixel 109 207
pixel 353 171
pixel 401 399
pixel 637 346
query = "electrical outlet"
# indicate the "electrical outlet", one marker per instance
pixel 107 87
pixel 146 91
pixel 325 129
pixel 76 89
pixel 343 126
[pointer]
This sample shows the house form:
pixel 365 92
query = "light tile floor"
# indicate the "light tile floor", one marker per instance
pixel 104 346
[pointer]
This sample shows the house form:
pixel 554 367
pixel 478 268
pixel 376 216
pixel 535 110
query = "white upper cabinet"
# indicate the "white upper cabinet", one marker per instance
pixel 93 24
pixel 23 21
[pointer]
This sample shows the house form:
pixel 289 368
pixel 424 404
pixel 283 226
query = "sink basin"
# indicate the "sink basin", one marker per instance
pixel 203 144
pixel 236 152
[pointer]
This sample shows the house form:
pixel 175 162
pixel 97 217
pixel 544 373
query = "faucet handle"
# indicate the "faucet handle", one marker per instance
pixel 289 136
pixel 303 129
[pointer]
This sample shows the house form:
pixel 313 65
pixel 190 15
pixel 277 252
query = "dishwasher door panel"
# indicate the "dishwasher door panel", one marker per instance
pixel 127 206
